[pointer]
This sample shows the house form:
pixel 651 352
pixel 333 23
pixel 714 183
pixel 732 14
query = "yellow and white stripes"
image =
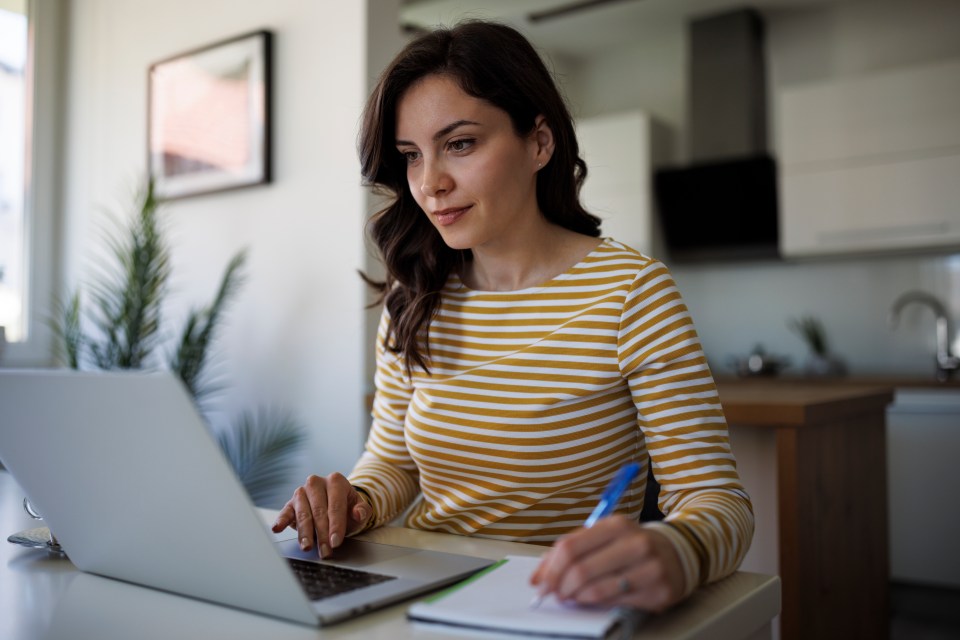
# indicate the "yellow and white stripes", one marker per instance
pixel 537 397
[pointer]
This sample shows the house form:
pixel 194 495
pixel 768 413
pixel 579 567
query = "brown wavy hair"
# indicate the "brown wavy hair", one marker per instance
pixel 492 62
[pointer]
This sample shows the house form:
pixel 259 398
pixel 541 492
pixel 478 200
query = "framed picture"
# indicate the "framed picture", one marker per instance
pixel 209 118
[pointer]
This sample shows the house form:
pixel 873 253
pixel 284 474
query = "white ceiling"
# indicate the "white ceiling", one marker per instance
pixel 591 29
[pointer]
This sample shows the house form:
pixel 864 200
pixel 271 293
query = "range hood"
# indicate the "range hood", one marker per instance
pixel 723 205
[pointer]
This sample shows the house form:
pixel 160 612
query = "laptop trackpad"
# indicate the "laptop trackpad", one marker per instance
pixel 355 553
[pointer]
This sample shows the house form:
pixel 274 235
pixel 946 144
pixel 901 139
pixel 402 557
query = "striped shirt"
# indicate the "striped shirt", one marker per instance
pixel 534 400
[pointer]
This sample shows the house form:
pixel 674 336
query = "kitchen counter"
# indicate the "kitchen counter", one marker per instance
pixel 859 380
pixel 902 381
pixel 785 403
pixel 813 457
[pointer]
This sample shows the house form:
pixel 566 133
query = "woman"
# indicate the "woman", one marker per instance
pixel 521 359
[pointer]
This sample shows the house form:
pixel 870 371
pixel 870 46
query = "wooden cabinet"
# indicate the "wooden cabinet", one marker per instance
pixel 871 163
pixel 813 458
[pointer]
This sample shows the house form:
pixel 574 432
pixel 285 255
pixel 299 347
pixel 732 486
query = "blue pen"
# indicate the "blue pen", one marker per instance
pixel 608 503
pixel 614 491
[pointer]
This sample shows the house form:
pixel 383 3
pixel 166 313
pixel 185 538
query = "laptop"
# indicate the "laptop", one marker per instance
pixel 130 479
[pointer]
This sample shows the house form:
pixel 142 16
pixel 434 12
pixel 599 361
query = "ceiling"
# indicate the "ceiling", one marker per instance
pixel 581 28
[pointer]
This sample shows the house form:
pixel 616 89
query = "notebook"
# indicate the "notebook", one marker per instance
pixel 500 599
pixel 128 476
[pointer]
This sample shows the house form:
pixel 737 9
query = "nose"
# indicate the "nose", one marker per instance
pixel 435 179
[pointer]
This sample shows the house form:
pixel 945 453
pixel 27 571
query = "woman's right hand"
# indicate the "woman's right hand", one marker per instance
pixel 324 511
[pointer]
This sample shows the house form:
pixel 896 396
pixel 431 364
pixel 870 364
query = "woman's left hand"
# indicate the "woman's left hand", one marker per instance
pixel 614 562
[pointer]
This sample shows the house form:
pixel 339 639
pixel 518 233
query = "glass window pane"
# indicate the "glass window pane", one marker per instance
pixel 13 84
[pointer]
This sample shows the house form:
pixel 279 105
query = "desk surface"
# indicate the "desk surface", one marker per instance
pixel 42 596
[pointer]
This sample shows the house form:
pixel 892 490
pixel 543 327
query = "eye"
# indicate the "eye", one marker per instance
pixel 461 144
pixel 410 157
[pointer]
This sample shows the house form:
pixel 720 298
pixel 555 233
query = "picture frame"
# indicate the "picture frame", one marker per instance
pixel 209 117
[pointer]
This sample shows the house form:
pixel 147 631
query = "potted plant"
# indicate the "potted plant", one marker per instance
pixel 820 361
pixel 123 329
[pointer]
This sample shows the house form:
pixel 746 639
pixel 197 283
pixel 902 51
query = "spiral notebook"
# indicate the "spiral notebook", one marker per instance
pixel 499 599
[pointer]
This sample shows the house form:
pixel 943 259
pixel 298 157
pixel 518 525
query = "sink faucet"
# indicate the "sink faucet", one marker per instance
pixel 947 363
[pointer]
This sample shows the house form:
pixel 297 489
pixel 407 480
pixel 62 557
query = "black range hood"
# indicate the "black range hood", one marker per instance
pixel 723 205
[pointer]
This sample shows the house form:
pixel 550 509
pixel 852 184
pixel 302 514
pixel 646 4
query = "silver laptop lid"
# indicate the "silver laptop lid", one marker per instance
pixel 135 487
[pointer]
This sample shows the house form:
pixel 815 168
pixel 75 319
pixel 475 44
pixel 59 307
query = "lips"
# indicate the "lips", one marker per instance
pixel 447 217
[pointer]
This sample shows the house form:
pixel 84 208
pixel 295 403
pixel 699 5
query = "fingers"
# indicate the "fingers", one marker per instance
pixel 652 585
pixel 617 571
pixel 639 586
pixel 338 502
pixel 310 504
pixel 360 512
pixel 567 553
pixel 285 518
pixel 323 511
pixel 615 562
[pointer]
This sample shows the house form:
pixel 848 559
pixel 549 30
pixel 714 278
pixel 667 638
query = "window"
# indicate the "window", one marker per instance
pixel 32 36
pixel 13 132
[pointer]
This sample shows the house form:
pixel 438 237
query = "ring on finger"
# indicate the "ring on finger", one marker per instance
pixel 624 585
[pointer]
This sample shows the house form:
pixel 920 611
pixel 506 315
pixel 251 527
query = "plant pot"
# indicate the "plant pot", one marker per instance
pixel 823 366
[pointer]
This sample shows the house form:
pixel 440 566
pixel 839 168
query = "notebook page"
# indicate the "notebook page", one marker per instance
pixel 500 598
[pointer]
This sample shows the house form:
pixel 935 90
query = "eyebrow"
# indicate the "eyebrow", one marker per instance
pixel 450 128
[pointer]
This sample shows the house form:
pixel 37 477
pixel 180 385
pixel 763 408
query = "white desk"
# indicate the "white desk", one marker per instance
pixel 44 597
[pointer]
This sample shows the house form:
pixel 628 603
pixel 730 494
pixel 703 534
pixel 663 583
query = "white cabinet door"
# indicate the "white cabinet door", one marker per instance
pixel 907 204
pixel 871 163
pixel 616 148
pixel 923 442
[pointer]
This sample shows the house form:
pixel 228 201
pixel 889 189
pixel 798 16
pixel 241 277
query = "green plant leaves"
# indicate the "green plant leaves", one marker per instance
pixel 258 447
pixel 811 330
pixel 127 300
pixel 126 319
pixel 189 361
pixel 69 336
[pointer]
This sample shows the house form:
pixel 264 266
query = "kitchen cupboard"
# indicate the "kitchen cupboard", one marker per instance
pixel 813 459
pixel 620 150
pixel 923 431
pixel 871 163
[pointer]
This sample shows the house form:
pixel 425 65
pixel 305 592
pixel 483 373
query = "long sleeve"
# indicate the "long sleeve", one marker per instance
pixel 708 514
pixel 385 470
pixel 537 397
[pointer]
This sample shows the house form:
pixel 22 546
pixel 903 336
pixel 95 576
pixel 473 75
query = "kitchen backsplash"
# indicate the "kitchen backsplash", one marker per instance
pixel 738 305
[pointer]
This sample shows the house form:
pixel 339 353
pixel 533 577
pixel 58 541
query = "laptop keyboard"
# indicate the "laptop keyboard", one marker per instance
pixel 324 580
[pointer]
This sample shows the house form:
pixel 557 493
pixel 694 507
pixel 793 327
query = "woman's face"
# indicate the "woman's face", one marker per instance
pixel 469 171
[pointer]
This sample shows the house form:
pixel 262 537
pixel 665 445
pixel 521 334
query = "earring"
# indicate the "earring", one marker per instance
pixel 539 165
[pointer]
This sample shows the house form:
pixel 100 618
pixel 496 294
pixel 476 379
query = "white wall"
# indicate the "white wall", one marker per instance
pixel 738 305
pixel 295 336
pixel 650 75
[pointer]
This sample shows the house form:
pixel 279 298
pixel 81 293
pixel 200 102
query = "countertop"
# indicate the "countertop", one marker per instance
pixel 781 402
pixel 877 380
